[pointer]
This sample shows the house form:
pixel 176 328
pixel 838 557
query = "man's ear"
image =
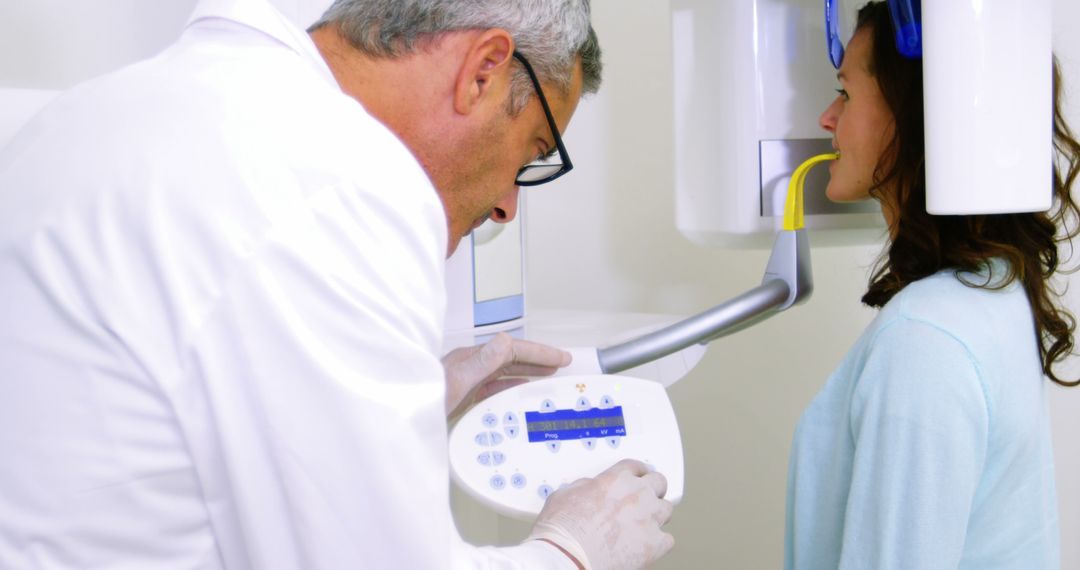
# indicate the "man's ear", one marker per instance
pixel 485 73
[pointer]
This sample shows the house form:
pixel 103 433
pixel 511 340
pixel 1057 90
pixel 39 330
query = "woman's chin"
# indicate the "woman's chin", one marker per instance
pixel 843 195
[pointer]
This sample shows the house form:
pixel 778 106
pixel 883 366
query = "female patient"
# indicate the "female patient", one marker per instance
pixel 929 447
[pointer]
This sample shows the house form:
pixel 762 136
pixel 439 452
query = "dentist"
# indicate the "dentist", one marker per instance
pixel 221 293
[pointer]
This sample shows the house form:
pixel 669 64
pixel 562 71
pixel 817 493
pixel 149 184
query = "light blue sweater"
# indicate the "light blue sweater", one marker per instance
pixel 929 447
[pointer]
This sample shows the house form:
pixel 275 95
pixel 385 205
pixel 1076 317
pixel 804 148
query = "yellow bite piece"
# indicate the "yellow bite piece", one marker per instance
pixel 793 210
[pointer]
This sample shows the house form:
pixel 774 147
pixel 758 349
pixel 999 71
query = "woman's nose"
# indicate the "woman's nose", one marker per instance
pixel 827 120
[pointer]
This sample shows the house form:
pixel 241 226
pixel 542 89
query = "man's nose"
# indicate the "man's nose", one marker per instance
pixel 506 208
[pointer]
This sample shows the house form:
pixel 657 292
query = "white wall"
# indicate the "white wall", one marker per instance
pixel 53 44
pixel 604 238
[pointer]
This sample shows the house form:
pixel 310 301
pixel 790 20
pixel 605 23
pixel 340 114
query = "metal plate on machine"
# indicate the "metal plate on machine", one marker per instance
pixel 779 158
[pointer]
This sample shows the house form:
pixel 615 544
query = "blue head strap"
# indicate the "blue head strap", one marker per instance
pixel 907 21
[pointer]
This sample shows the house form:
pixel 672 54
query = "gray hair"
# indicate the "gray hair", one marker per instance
pixel 551 34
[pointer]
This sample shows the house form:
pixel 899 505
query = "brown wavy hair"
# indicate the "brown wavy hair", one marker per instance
pixel 922 244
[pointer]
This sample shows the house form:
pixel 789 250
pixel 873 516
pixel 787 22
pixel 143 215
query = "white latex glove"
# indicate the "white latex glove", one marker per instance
pixel 476 372
pixel 611 521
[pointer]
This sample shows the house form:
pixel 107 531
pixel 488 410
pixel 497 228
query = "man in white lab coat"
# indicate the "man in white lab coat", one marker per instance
pixel 221 294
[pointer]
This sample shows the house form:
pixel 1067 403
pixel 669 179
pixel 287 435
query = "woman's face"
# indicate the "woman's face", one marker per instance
pixel 860 122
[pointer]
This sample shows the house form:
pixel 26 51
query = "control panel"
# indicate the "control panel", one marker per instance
pixel 514 449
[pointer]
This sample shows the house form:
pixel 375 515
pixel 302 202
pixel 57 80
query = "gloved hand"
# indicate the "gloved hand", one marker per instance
pixel 476 372
pixel 611 521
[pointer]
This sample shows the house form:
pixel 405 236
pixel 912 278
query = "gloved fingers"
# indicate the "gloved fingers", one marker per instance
pixel 657 482
pixel 529 370
pixel 664 545
pixel 459 355
pixel 631 466
pixel 535 354
pixel 492 387
pixel 663 511
pixel 469 367
pixel 496 354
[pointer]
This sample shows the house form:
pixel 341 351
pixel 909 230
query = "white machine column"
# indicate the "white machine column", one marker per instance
pixel 987 93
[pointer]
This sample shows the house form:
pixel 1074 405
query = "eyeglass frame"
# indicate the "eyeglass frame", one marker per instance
pixel 564 157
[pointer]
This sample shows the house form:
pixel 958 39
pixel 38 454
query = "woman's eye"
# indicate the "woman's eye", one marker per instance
pixel 843 93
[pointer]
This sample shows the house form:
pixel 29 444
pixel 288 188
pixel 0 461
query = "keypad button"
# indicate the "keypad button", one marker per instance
pixel 518 480
pixel 613 442
pixel 510 418
pixel 544 491
pixel 498 482
pixel 553 445
pixel 512 431
pixel 489 420
pixel 497 458
pixel 547 406
pixel 583 403
pixel 589 444
pixel 607 402
pixel 496 438
pixel 484 458
pixel 483 439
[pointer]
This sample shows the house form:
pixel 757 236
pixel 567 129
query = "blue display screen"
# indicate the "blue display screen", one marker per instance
pixel 575 424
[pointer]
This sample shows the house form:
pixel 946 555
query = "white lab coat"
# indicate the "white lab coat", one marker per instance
pixel 221 303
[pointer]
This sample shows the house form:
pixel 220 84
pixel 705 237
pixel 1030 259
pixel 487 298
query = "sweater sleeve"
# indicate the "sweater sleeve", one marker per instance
pixel 919 423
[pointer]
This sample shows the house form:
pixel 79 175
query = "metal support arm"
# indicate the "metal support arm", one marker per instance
pixel 788 280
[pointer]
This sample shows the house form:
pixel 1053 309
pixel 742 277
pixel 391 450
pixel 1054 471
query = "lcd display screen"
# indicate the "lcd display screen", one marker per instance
pixel 575 424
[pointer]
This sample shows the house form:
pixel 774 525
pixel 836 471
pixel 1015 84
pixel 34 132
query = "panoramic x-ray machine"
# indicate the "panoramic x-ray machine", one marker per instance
pixel 746 119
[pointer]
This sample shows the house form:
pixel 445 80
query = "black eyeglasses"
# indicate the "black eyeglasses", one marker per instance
pixel 548 167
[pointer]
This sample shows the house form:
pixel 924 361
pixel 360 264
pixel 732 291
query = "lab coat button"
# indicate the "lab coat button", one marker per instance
pixel 484 458
pixel 518 480
pixel 490 420
pixel 483 439
pixel 498 482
